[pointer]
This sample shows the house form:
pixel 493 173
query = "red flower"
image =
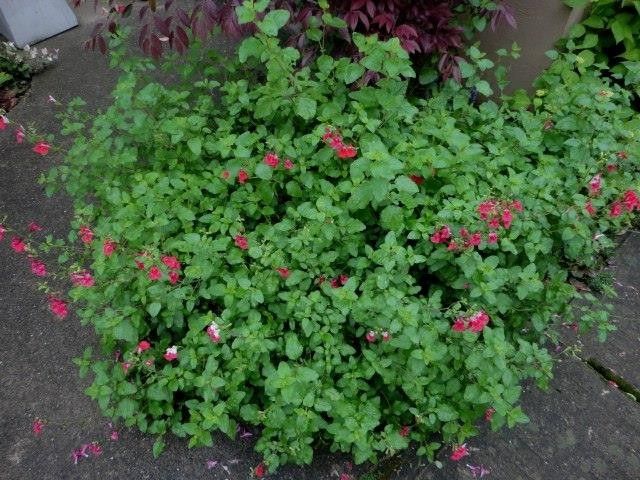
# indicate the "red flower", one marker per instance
pixel 459 325
pixel 108 247
pixel 288 164
pixel 18 245
pixel 343 279
pixel 517 206
pixel 488 414
pixel 143 345
pixel 622 155
pixel 475 239
pixel 58 307
pixel 612 167
pixel 494 223
pixel 38 268
pixel 404 431
pixel 631 200
pixel 125 367
pixel 214 332
pixel 452 246
pixel 386 336
pixel 155 273
pixel 241 242
pixel 260 471
pixel 225 174
pixel 174 277
pixel 591 210
pixel 38 425
pixel 460 452
pixel 595 184
pixel 120 8
pixel 171 354
pixel 616 209
pixel 347 151
pixel 243 176
pixel 34 227
pixel 417 179
pixel 82 279
pixel 441 235
pixel 172 262
pixel 284 272
pixel 335 283
pixel 271 160
pixel 492 237
pixel 507 218
pixel 371 336
pixel 4 121
pixel 486 208
pixel 140 265
pixel 464 233
pixel 86 235
pixel 2 232
pixel 41 148
pixel 478 321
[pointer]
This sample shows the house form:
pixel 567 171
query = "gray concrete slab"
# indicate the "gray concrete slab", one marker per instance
pixel 27 22
pixel 580 430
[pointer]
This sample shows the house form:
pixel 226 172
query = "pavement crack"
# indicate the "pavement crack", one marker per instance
pixel 610 376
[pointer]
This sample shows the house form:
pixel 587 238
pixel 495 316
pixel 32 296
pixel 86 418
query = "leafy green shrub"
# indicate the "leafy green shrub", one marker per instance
pixel 328 263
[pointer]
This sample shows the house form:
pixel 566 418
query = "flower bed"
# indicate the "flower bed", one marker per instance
pixel 329 264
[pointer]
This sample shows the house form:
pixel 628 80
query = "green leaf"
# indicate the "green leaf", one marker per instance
pixel 126 407
pixel 154 308
pixel 293 348
pixel 273 22
pixel 125 331
pixel 158 447
pixel 483 87
pixel 195 145
pixel 306 107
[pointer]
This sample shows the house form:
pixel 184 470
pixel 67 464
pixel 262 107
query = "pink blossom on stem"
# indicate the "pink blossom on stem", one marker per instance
pixel 478 321
pixel 475 239
pixel 172 262
pixel 41 148
pixel 507 218
pixel 347 151
pixel 241 242
pixel 38 268
pixel 459 325
pixel 460 452
pixel 243 176
pixel 2 232
pixel 260 470
pixel 386 336
pixel 82 279
pixel 108 247
pixel 174 277
pixel 171 353
pixel 143 346
pixel 155 273
pixel 630 200
pixel 595 184
pixel 85 234
pixel 34 227
pixel 442 235
pixel 478 471
pixel 404 431
pixel 4 121
pixel 37 426
pixel 370 336
pixel 589 208
pixel 19 135
pixel 58 307
pixel 125 367
pixel 288 164
pixel 616 209
pixel 271 160
pixel 214 332
pixel 114 436
pixel 18 245
pixel 283 272
pixel 488 413
pixel 492 238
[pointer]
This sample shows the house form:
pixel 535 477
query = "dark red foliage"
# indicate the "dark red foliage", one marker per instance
pixel 425 28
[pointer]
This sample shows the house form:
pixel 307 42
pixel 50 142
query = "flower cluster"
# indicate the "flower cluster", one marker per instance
pixel 272 160
pixel 475 323
pixel 333 138
pixel 372 336
pixel 498 213
pixel 86 450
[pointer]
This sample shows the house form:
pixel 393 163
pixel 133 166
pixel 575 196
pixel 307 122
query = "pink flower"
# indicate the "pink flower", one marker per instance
pixel 172 262
pixel 225 174
pixel 459 325
pixel 211 464
pixel 616 209
pixel 41 148
pixel 214 332
pixel 475 239
pixel 343 279
pixel 108 247
pixel 478 321
pixel 82 279
pixel 335 283
pixel 386 336
pixel 488 413
pixel 460 452
pixel 37 426
pixel 464 233
pixel 58 307
pixel 171 354
pixel 174 277
pixel 284 272
pixel 155 273
pixel 271 160
pixel 492 237
pixel 595 184
pixel 260 470
pixel 38 268
pixel 478 471
pixel 590 209
pixel 95 449
pixel 86 235
pixel 507 218
pixel 2 231
pixel 517 206
pixel 4 121
pixel 494 223
pixel 143 346
pixel 622 155
pixel 19 135
pixel 417 179
pixel 611 167
pixel 288 164
pixel 140 265
pixel 486 208
pixel 34 227
pixel 441 235
pixel 370 336
pixel 347 151
pixel 125 367
pixel 120 8
pixel 241 242
pixel 631 200
pixel 149 362
pixel 452 246
pixel 404 431
pixel 243 176
pixel 18 245
pixel 114 436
